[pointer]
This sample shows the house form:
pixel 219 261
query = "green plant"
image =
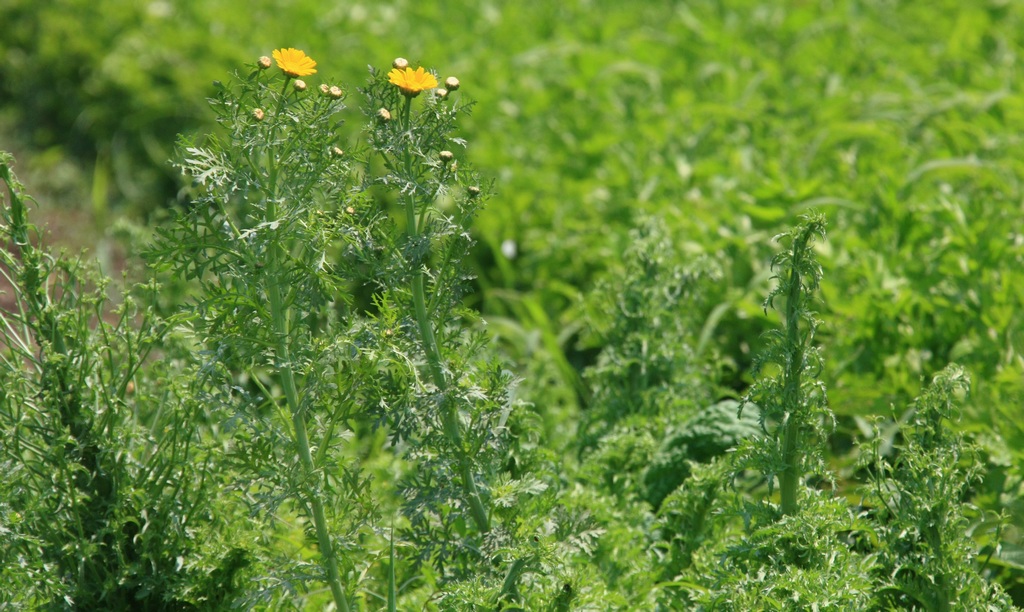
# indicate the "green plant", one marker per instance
pixel 814 550
pixel 108 497
pixel 791 401
pixel 600 481
pixel 707 435
pixel 321 314
pixel 646 315
pixel 791 555
pixel 918 498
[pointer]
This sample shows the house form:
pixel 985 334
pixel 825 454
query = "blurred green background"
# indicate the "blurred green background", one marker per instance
pixel 725 120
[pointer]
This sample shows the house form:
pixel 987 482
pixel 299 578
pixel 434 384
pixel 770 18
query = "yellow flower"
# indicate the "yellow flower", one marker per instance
pixel 294 63
pixel 412 83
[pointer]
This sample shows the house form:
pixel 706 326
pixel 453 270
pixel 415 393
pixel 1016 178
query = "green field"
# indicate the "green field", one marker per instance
pixel 599 320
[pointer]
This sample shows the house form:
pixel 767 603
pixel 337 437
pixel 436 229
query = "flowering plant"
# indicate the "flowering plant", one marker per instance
pixel 287 250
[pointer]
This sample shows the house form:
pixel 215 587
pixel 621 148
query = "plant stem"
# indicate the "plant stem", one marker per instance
pixel 280 316
pixel 791 393
pixel 944 593
pixel 508 587
pixel 452 426
pixel 392 591
pixel 281 332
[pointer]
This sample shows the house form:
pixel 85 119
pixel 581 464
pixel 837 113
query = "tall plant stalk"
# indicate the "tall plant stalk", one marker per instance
pixel 281 319
pixel 792 392
pixel 452 426
pixel 794 401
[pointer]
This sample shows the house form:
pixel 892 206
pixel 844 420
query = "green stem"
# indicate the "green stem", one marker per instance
pixel 509 586
pixel 452 426
pixel 791 391
pixel 944 593
pixel 790 474
pixel 281 316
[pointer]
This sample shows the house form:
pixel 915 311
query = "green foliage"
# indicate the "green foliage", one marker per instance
pixel 257 240
pixel 794 555
pixel 707 435
pixel 324 310
pixel 645 316
pixel 814 550
pixel 800 562
pixel 599 480
pixel 926 558
pixel 688 525
pixel 792 403
pixel 107 496
pixel 721 118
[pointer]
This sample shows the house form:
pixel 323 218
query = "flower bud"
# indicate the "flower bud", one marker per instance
pixel 401 63
pixel 299 85
pixel 473 190
pixel 451 83
pixel 337 152
pixel 334 92
pixel 263 63
pixel 441 93
pixel 446 156
pixel 324 89
pixel 384 114
pixel 258 114
pixel 350 210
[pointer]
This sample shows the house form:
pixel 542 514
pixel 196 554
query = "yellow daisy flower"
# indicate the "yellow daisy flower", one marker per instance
pixel 412 82
pixel 294 63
